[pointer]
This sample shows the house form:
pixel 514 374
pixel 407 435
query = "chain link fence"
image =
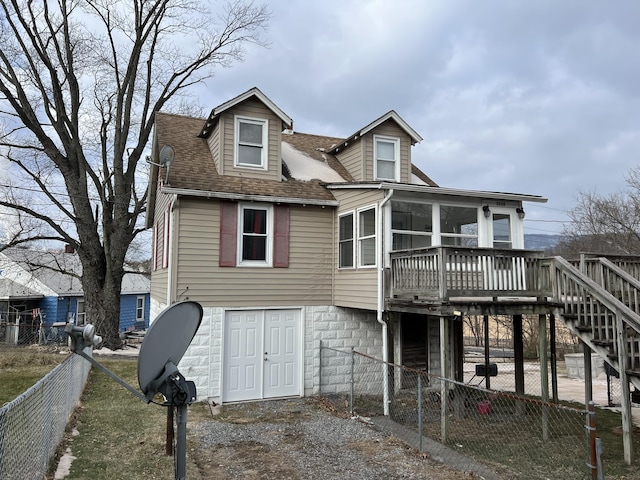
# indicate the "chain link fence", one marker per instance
pixel 32 425
pixel 31 333
pixel 463 425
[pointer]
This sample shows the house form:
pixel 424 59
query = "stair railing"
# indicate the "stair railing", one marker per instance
pixel 607 316
pixel 615 280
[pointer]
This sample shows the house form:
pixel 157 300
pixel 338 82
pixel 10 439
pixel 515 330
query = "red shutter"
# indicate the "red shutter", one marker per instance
pixel 228 233
pixel 281 236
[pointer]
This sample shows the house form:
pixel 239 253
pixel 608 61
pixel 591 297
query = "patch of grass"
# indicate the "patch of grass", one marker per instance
pixel 609 429
pixel 21 368
pixel 119 435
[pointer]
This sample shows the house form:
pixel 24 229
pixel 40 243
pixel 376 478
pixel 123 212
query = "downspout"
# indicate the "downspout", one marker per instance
pixel 172 244
pixel 380 310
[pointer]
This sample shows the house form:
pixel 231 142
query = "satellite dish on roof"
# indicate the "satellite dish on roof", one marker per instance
pixel 166 157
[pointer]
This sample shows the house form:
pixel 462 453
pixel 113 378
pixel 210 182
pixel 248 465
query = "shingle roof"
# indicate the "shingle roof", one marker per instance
pixel 194 169
pixel 45 266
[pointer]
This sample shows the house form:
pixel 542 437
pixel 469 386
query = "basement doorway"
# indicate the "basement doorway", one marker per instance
pixel 415 341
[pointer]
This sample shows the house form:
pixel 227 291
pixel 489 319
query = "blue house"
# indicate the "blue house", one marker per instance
pixel 36 298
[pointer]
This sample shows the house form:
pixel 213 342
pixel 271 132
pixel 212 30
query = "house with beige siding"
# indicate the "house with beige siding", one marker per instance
pixel 290 239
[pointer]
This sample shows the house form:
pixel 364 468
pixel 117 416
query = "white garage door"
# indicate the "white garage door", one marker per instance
pixel 261 354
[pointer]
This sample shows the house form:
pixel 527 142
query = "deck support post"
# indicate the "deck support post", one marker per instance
pixel 544 373
pixel 588 374
pixel 487 352
pixel 444 384
pixel 518 354
pixel 554 358
pixel 625 394
pixel 518 358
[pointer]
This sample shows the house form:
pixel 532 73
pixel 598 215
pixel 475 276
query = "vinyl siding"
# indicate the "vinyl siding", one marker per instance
pixel 159 275
pixel 253 109
pixel 159 285
pixel 307 280
pixel 353 160
pixel 357 287
pixel 214 145
pixel 388 129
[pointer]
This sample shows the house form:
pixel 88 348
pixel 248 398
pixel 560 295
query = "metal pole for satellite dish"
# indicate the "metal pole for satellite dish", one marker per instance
pixel 181 443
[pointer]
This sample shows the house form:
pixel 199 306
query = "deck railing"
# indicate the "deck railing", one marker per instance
pixel 444 272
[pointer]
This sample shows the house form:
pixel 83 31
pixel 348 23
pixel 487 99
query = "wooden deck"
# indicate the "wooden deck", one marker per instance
pixel 445 280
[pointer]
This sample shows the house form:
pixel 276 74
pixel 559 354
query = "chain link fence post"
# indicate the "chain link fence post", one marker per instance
pixel 593 462
pixel 353 361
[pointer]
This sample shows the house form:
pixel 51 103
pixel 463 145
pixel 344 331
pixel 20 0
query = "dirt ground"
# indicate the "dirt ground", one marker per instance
pixel 303 439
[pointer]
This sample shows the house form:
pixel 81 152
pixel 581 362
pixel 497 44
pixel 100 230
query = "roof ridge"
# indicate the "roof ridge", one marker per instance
pixel 171 114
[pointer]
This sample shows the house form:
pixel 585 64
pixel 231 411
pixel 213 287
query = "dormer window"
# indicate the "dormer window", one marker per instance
pixel 386 153
pixel 251 142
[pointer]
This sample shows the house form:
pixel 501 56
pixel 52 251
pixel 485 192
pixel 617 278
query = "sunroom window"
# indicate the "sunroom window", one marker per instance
pixel 459 226
pixel 411 224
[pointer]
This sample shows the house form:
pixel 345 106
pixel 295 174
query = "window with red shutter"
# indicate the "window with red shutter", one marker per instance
pixel 281 236
pixel 228 233
pixel 254 235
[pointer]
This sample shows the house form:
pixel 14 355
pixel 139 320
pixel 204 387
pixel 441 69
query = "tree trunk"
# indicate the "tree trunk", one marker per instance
pixel 102 284
pixel 103 311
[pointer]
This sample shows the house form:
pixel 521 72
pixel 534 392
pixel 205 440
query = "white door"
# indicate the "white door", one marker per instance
pixel 262 354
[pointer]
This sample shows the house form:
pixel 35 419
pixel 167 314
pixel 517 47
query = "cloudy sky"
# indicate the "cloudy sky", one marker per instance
pixel 539 97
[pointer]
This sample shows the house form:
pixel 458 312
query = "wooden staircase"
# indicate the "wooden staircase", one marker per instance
pixel 601 304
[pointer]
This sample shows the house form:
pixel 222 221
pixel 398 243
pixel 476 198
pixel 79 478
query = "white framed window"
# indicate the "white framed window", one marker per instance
pixel 80 313
pixel 367 237
pixel 255 235
pixel 386 152
pixel 459 226
pixel 140 309
pixel 411 225
pixel 251 142
pixel 346 245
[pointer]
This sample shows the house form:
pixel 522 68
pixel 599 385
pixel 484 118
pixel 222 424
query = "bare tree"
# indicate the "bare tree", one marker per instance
pixel 80 82
pixel 475 326
pixel 608 224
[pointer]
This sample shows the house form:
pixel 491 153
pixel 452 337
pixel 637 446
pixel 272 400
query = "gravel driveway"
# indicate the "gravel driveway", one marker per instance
pixel 303 439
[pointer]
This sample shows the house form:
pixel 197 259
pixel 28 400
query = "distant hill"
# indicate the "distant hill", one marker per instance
pixel 538 241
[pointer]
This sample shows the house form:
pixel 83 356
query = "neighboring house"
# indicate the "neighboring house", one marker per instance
pixel 34 296
pixel 285 239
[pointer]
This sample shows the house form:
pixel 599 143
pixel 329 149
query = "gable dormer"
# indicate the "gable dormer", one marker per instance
pixel 381 151
pixel 244 135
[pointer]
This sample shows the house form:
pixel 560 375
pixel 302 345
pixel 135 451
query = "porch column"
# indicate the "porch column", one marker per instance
pixel 518 354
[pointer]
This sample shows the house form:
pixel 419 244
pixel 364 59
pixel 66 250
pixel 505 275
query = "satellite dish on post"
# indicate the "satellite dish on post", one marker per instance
pixel 164 344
